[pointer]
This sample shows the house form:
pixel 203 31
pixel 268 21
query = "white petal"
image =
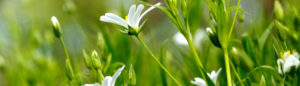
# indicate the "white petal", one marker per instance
pixel 137 15
pixel 107 19
pixel 199 82
pixel 217 75
pixel 148 10
pixel 116 18
pixel 180 39
pixel 95 84
pixel 279 61
pixel 116 75
pixel 131 14
pixel 107 81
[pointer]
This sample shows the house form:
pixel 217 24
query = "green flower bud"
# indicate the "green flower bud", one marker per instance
pixel 87 59
pixel 241 17
pixel 69 70
pixel 56 27
pixel 279 14
pixel 2 62
pixel 213 37
pixel 132 78
pixel 96 60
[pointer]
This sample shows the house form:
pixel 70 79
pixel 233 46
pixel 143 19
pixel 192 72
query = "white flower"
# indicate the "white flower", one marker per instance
pixel 199 82
pixel 180 39
pixel 213 76
pixel 287 61
pixel 133 18
pixel 95 84
pixel 108 80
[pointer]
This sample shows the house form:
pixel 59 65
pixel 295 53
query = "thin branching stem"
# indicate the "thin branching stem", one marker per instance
pixel 157 61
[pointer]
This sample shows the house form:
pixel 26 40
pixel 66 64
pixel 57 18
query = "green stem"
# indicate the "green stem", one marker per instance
pixel 157 61
pixel 100 75
pixel 65 49
pixel 227 67
pixel 196 56
pixel 233 22
pixel 237 75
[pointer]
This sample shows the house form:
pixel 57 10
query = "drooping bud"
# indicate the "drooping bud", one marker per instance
pixel 69 70
pixel 132 78
pixel 213 37
pixel 96 60
pixel 279 14
pixel 56 27
pixel 241 18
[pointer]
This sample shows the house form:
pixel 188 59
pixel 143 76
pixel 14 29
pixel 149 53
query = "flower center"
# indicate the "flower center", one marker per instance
pixel 126 18
pixel 286 54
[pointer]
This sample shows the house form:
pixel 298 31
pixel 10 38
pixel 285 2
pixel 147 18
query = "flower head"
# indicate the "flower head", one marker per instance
pixel 213 76
pixel 287 62
pixel 132 20
pixel 108 80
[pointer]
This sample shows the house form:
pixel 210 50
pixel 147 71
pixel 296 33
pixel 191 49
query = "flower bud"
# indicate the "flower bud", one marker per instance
pixel 2 62
pixel 278 10
pixel 241 17
pixel 96 60
pixel 132 78
pixel 213 37
pixel 87 59
pixel 56 27
pixel 69 70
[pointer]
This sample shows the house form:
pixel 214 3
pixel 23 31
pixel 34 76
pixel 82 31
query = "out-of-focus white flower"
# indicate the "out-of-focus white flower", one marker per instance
pixel 199 82
pixel 95 84
pixel 108 80
pixel 287 61
pixel 213 76
pixel 133 18
pixel 199 37
pixel 180 39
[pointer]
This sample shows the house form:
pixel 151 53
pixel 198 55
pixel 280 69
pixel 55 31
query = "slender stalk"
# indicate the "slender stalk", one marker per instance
pixel 233 22
pixel 196 56
pixel 157 61
pixel 65 48
pixel 100 75
pixel 237 75
pixel 227 67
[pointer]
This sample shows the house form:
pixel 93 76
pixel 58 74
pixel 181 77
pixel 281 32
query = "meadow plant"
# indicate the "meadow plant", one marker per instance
pixel 168 43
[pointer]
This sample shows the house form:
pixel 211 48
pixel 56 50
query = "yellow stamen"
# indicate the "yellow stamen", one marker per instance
pixel 282 55
pixel 126 18
pixel 294 51
pixel 288 53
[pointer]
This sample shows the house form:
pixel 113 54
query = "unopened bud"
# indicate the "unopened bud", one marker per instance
pixel 56 27
pixel 87 59
pixel 96 60
pixel 132 78
pixel 213 37
pixel 2 62
pixel 279 14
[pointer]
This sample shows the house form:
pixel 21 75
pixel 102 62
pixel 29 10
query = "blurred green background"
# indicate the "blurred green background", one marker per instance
pixel 32 56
